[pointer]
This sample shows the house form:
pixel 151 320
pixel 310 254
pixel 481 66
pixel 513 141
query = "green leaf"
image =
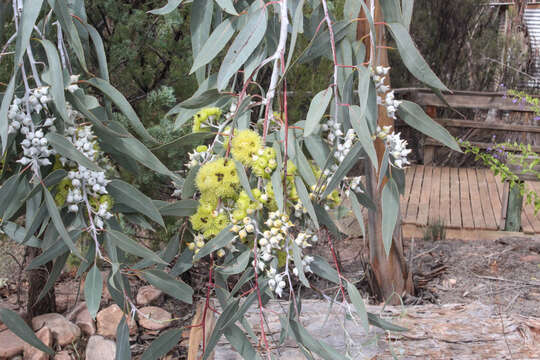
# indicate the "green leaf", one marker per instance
pixel 201 20
pixel 168 8
pixel 205 99
pixel 180 208
pixel 297 27
pixel 357 212
pixel 319 347
pixel 6 102
pixel 183 264
pixel 411 57
pixel 65 148
pixel 59 224
pixel 56 79
pixel 163 344
pixel 17 233
pixel 416 118
pixel 54 251
pixel 228 313
pixel 237 264
pixel 243 45
pixel 26 26
pixel 407 7
pixel 390 212
pixel 306 201
pixel 93 287
pixel 318 150
pixel 240 342
pixel 360 126
pixel 221 240
pixel 244 181
pixel 392 11
pixel 376 320
pixel 124 193
pixel 125 243
pixel 61 10
pixel 123 105
pixel 123 352
pixel 227 6
pixel 137 151
pixel 169 285
pixel 189 188
pixel 215 43
pixel 320 267
pixel 52 179
pixel 17 325
pixel 317 108
pixel 277 186
pixel 358 303
pixel 100 52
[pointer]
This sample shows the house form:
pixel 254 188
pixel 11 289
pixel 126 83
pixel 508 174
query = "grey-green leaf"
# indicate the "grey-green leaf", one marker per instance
pixel 317 108
pixel 243 45
pixel 129 195
pixel 416 118
pixel 221 240
pixel 128 245
pixel 180 208
pixel 17 325
pixel 215 43
pixel 306 201
pixel 93 287
pixel 169 285
pixel 123 351
pixel 358 303
pixel 163 344
pixel 244 181
pixel 57 79
pixel 227 6
pixel 359 123
pixel 390 213
pixel 26 26
pixel 168 8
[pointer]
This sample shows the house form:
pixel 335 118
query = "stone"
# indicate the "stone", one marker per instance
pixel 63 355
pixel 82 318
pixel 31 353
pixel 99 348
pixel 154 318
pixel 108 320
pixel 10 344
pixel 64 331
pixel 149 295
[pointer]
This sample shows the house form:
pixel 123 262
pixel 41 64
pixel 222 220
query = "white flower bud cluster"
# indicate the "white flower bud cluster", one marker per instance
pixel 72 87
pixel 35 146
pixel 197 244
pixel 306 261
pixel 198 157
pixel 247 226
pixel 397 147
pixel 385 95
pixel 276 282
pixel 343 142
pixel 354 185
pixel 299 209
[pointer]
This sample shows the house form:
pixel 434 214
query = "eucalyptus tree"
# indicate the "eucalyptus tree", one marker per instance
pixel 259 188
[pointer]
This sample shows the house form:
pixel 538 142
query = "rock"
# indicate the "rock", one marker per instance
pixel 154 318
pixel 64 332
pixel 534 258
pixel 31 353
pixel 82 318
pixel 149 295
pixel 10 344
pixel 99 348
pixel 63 355
pixel 108 320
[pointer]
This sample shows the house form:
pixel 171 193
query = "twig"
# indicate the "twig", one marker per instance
pixel 506 280
pixel 425 252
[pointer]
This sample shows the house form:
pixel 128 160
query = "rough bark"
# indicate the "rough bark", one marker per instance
pixel 390 272
pixel 37 279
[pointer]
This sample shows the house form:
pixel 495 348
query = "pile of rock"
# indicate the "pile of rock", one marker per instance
pixel 58 331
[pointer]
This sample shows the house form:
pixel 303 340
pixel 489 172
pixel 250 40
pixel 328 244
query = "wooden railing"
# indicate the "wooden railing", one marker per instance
pixel 460 100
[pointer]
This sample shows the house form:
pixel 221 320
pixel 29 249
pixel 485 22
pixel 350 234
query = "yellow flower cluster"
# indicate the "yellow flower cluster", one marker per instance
pixel 62 191
pixel 218 177
pixel 202 116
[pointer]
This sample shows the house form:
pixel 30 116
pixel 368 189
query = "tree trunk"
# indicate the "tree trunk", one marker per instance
pixel 37 278
pixel 390 272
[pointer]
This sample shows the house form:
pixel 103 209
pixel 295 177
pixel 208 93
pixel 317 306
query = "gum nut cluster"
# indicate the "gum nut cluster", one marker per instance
pixel 276 282
pixel 197 244
pixel 244 228
pixel 35 146
pixel 354 185
pixel 205 118
pixel 199 156
pixel 385 95
pixel 272 240
pixel 397 147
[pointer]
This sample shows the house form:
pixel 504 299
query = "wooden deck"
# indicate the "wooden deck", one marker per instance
pixel 464 199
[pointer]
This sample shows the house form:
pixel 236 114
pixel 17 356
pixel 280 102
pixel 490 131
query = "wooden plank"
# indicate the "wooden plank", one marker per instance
pixel 414 201
pixel 455 199
pixel 417 232
pixel 485 125
pixel 445 196
pixel 465 200
pixel 435 197
pixel 471 101
pixel 476 205
pixel 423 209
pixel 494 197
pixel 534 219
pixel 526 223
pixel 481 145
pixel 409 177
pixel 487 208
